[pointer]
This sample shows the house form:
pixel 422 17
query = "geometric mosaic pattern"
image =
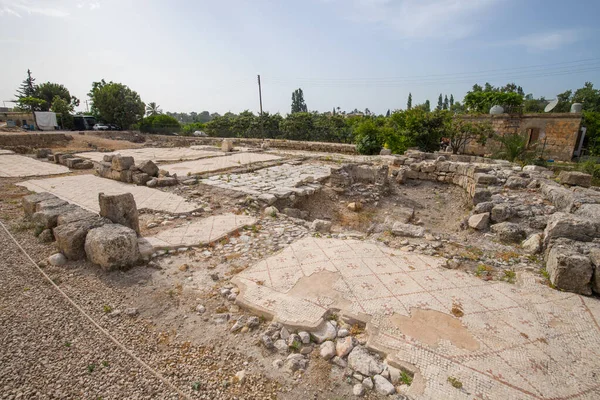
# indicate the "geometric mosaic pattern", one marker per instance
pixel 83 191
pixel 155 154
pixel 14 166
pixel 534 342
pixel 205 231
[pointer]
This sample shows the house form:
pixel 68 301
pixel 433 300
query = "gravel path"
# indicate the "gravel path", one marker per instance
pixel 49 350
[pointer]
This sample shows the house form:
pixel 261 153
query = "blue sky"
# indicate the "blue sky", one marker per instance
pixel 205 55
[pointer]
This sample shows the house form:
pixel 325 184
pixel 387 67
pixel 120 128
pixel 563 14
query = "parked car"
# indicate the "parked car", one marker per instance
pixel 200 133
pixel 113 127
pixel 100 127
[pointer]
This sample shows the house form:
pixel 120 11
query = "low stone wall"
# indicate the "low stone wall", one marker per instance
pixel 33 140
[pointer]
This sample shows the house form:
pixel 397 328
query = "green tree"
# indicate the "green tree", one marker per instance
pixel 462 132
pixel 409 103
pixel 445 106
pixel 564 102
pixel 27 88
pixel 63 110
pixel 440 104
pixel 388 113
pixel 588 96
pixel 153 109
pixel 298 104
pixel 451 101
pixel 115 103
pixel 481 101
pixel 369 139
pixel 48 92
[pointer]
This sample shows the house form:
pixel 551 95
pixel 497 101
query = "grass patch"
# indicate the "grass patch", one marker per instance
pixel 91 368
pixel 507 256
pixel 106 308
pixel 484 271
pixel 457 309
pixel 509 276
pixel 405 378
pixel 471 253
pixel 356 329
pixel 455 382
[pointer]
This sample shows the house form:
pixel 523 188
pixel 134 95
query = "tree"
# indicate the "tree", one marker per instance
pixel 462 132
pixel 153 109
pixel 451 101
pixel 564 101
pixel 298 104
pixel 63 109
pixel 27 88
pixel 115 103
pixel 588 96
pixel 440 103
pixel 445 106
pixel 48 92
pixel 388 113
pixel 409 103
pixel 159 123
pixel 482 101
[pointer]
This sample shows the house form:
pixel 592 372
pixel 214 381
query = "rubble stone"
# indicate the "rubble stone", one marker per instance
pixel 361 361
pixel 509 232
pixel 563 225
pixel 326 331
pixel 122 163
pixel 383 386
pixel 533 244
pixel 400 229
pixel 479 221
pixel 148 167
pixel 70 238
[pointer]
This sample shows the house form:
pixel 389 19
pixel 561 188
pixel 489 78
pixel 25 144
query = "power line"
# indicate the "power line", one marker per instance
pixel 539 67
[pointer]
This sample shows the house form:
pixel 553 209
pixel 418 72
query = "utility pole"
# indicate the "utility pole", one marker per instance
pixel 260 95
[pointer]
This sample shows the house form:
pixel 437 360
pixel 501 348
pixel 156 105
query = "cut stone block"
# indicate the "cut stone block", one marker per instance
pixel 122 163
pixel 509 232
pixel 563 225
pixel 569 270
pixel 70 238
pixel 30 202
pixel 112 246
pixel 48 218
pixel 575 178
pixel 120 209
pixel 400 229
pixel 148 167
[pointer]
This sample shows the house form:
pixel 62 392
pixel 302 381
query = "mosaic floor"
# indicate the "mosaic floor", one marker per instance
pixel 504 341
pixel 279 180
pixel 217 163
pixel 155 154
pixel 15 166
pixel 83 190
pixel 205 231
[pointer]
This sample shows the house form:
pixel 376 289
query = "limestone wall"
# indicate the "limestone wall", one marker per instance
pixel 560 131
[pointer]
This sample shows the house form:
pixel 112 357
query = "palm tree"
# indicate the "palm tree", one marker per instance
pixel 153 109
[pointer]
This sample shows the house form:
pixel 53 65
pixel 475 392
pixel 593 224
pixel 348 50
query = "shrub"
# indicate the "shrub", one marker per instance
pixel 159 123
pixel 369 141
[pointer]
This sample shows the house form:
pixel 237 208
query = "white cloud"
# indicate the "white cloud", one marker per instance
pixel 451 19
pixel 551 40
pixel 49 8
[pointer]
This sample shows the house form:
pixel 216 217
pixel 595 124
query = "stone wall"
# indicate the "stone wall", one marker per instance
pixel 560 131
pixel 8 140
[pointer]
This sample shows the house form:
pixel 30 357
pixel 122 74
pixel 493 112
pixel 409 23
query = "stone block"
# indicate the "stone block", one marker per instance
pixel 85 164
pixel 43 153
pixel 122 163
pixel 164 181
pixel 385 152
pixel 479 221
pixel 120 209
pixel 481 195
pixel 594 256
pixel 509 232
pixel 112 246
pixel 408 230
pixel 70 162
pixel 108 158
pixel 227 145
pixel 575 178
pixel 533 244
pixel 569 270
pixel 320 225
pixel 563 225
pixel 30 202
pixel 70 238
pixel 48 218
pixel 62 158
pixel 148 167
pixel 74 215
pixel 140 178
pixel 125 175
pixel 501 212
pixel 485 179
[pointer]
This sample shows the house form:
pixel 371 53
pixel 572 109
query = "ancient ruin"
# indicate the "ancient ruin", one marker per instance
pixel 414 276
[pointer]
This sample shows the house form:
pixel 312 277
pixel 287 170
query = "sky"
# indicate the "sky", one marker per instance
pixel 199 55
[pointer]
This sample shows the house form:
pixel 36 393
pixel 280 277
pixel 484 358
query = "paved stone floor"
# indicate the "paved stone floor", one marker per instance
pixel 217 163
pixel 14 166
pixel 83 190
pixel 500 340
pixel 205 231
pixel 156 154
pixel 280 181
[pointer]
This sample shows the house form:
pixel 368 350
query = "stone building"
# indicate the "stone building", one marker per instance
pixel 557 135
